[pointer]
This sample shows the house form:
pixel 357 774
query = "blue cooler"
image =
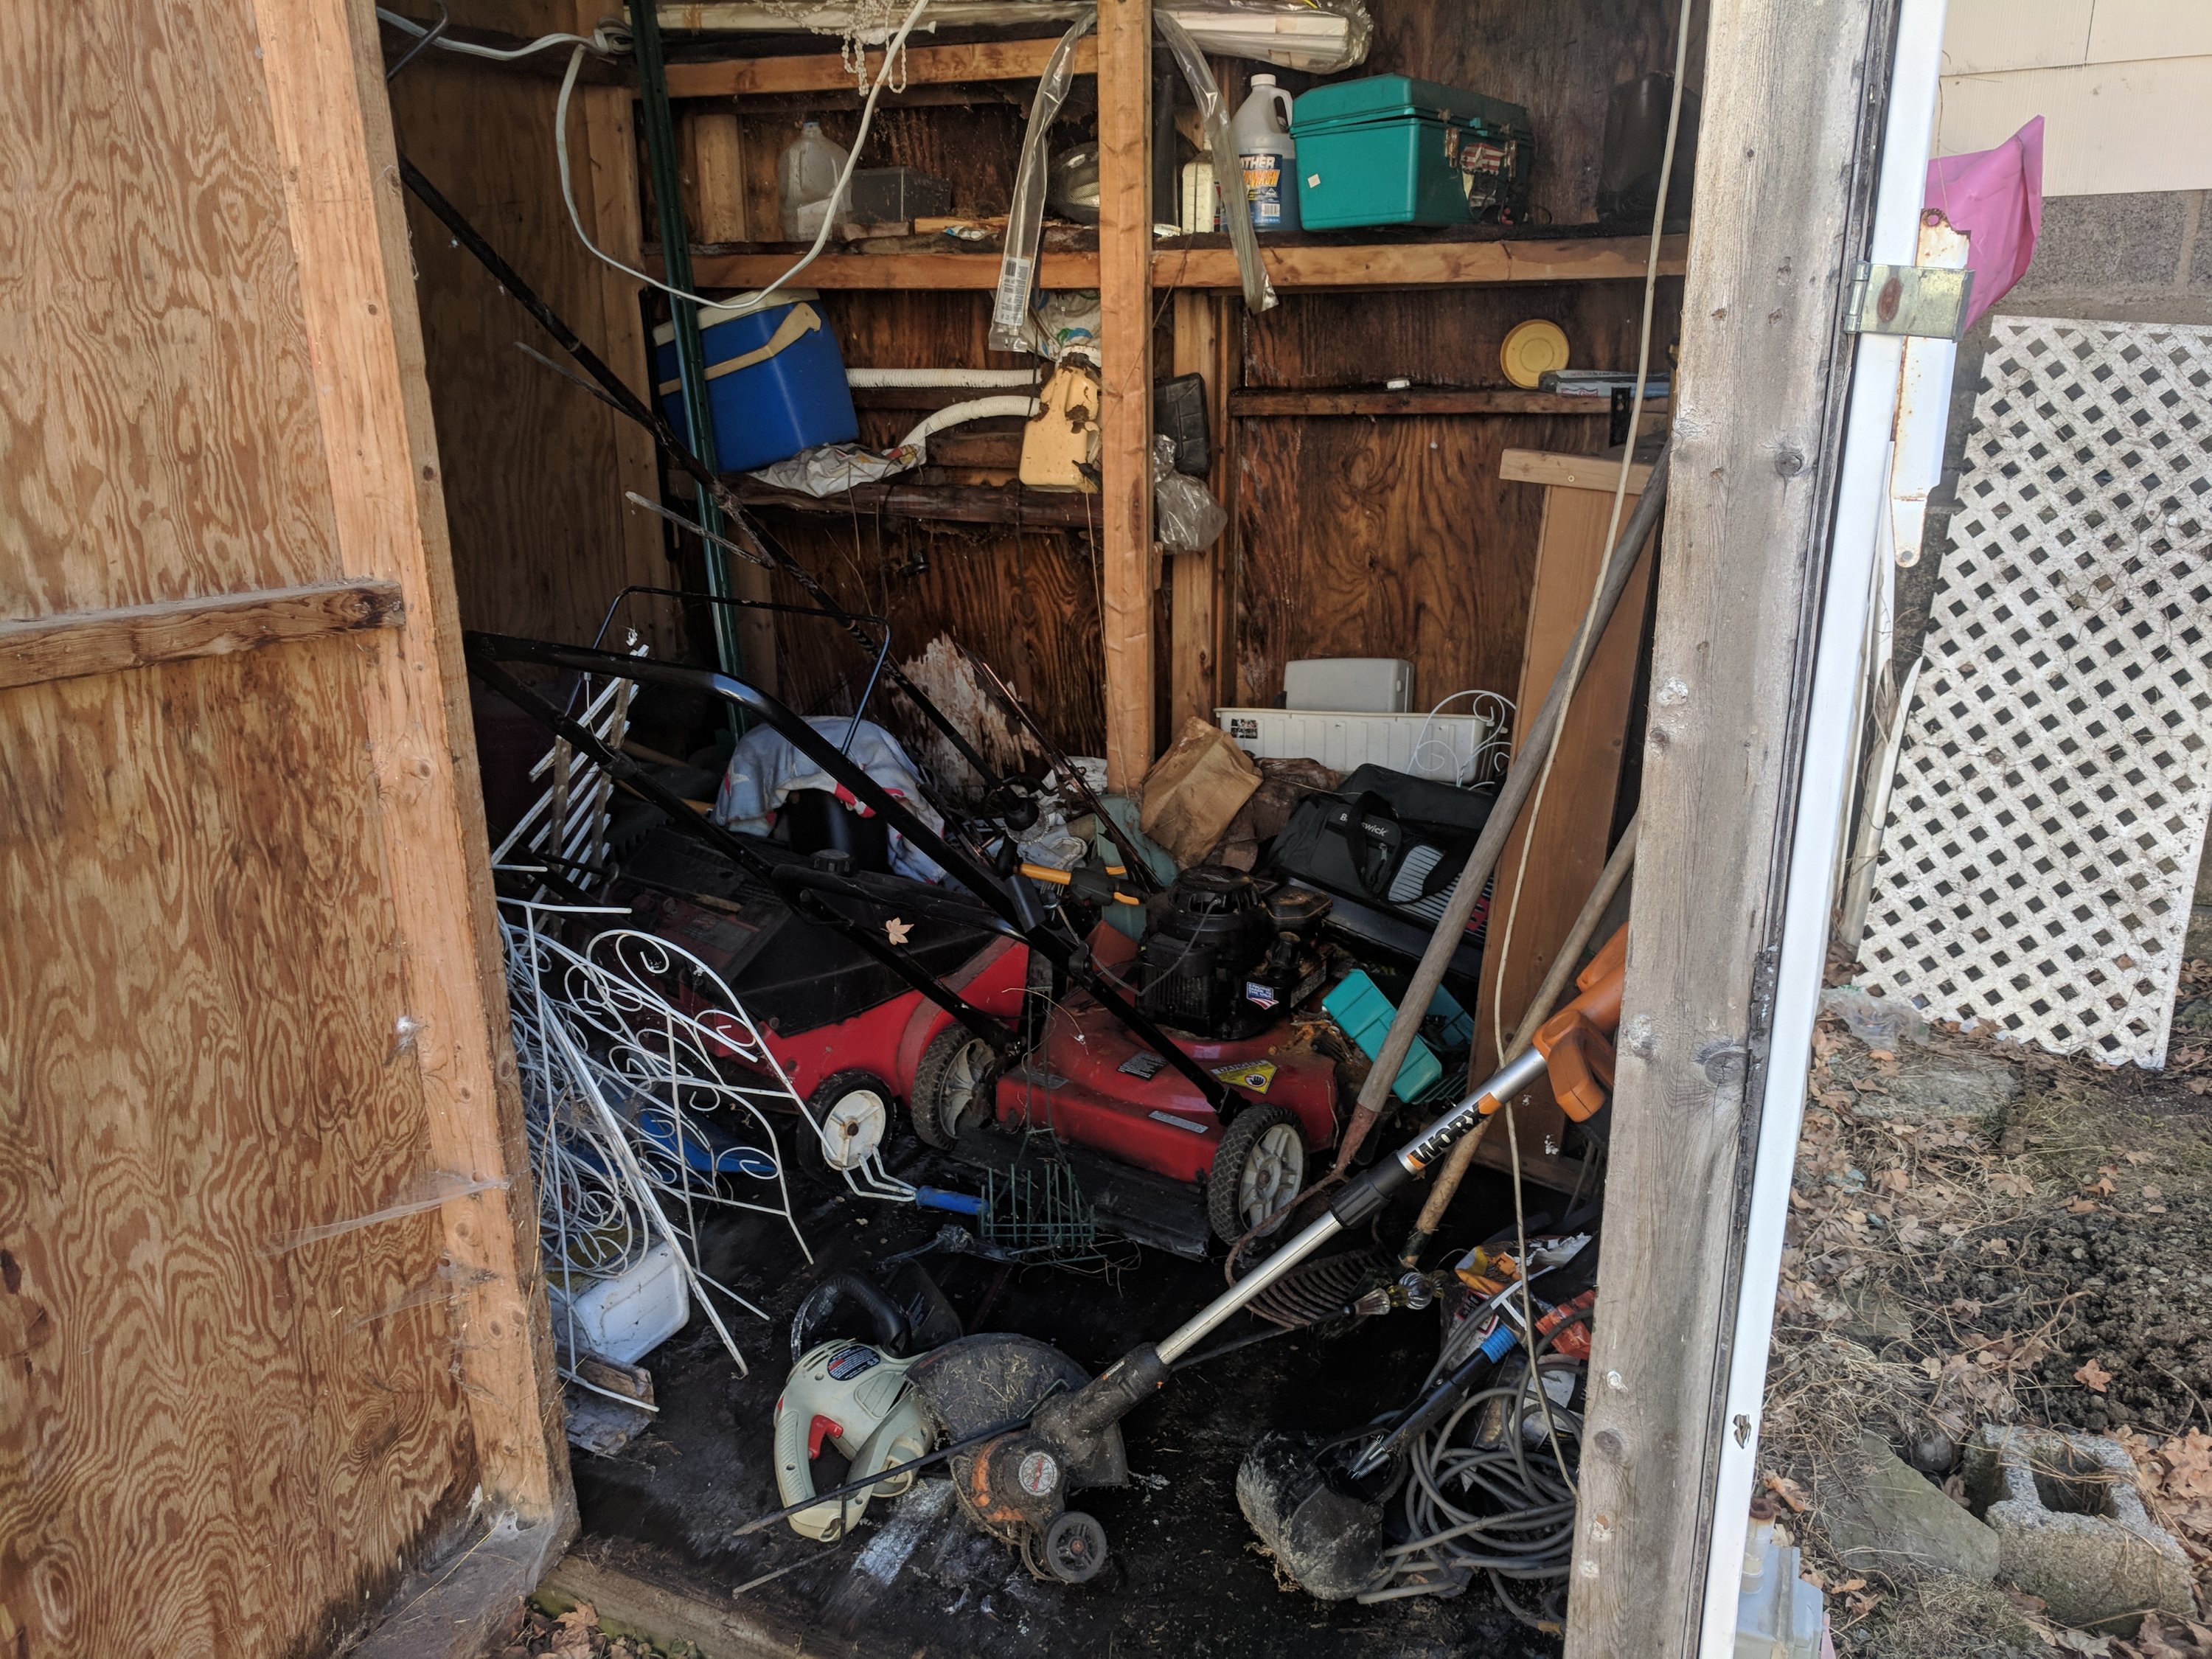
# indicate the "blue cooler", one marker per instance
pixel 775 381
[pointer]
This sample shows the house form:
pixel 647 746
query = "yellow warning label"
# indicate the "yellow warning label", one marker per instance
pixel 1253 1074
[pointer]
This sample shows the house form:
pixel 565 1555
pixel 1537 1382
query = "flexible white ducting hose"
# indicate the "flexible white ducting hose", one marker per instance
pixel 937 377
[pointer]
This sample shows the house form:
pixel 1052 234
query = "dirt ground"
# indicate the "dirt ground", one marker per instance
pixel 2048 1261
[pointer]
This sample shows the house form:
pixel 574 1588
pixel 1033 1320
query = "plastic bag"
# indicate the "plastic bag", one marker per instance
pixel 1184 517
pixel 1878 1022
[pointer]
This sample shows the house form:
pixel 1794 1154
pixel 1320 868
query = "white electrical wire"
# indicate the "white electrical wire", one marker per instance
pixel 601 40
pixel 755 300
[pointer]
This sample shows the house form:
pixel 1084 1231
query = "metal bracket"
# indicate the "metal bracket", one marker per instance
pixel 1928 302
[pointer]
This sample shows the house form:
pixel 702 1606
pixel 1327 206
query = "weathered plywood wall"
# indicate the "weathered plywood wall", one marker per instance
pixel 535 468
pixel 243 902
pixel 1394 537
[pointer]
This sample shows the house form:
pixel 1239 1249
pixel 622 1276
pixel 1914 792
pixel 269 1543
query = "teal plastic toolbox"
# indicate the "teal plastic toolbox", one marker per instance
pixel 1363 1014
pixel 1392 150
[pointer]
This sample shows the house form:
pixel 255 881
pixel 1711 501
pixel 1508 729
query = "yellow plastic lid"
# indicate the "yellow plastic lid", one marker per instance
pixel 1532 350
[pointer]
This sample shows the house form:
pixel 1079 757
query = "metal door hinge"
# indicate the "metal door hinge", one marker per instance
pixel 1928 302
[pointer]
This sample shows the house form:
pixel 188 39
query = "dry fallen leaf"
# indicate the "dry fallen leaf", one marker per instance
pixel 2153 1192
pixel 2094 1377
pixel 1788 1492
pixel 2083 1206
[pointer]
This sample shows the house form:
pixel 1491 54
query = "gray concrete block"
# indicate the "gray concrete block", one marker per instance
pixel 1895 1521
pixel 2108 247
pixel 2071 1528
pixel 1934 1081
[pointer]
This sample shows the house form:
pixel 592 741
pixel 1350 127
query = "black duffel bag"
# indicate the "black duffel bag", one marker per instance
pixel 1390 848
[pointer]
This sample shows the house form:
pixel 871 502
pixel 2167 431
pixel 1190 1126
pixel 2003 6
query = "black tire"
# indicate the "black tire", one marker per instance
pixel 956 1086
pixel 1074 1547
pixel 1275 1163
pixel 840 1103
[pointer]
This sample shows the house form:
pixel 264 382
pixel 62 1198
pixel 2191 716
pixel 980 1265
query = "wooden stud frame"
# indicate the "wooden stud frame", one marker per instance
pixel 1125 300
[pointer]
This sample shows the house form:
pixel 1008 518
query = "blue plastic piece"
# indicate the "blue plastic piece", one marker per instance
pixel 707 1147
pixel 1364 1013
pixel 770 410
pixel 936 1198
pixel 1499 1342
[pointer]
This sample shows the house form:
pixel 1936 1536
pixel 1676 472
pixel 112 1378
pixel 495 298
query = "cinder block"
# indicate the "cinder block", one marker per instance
pixel 2125 245
pixel 2072 1529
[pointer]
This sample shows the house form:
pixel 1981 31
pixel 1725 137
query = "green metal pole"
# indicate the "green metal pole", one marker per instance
pixel 691 352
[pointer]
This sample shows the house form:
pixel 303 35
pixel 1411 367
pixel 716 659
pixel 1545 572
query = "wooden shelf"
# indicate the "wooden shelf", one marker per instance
pixel 1417 400
pixel 1289 265
pixel 987 60
pixel 1035 509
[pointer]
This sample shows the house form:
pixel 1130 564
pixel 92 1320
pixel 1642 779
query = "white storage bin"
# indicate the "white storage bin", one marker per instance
pixel 627 1316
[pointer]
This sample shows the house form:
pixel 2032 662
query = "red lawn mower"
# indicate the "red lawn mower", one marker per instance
pixel 998 999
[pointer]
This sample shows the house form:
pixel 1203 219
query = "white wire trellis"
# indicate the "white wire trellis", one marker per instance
pixel 570 821
pixel 589 1146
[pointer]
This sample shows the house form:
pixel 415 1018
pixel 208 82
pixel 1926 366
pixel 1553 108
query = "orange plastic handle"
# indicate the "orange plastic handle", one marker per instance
pixel 1576 1043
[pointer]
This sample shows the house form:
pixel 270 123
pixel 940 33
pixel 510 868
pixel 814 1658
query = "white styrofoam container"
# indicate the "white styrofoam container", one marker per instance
pixel 627 1316
pixel 1447 747
pixel 1348 685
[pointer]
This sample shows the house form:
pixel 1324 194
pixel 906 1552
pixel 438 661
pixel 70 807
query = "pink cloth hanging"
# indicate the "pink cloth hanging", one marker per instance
pixel 1996 197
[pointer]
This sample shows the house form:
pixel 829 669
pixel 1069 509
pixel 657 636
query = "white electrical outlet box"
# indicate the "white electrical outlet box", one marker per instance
pixel 1348 685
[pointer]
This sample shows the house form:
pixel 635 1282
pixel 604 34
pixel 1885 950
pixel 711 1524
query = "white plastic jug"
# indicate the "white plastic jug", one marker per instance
pixel 1261 131
pixel 807 176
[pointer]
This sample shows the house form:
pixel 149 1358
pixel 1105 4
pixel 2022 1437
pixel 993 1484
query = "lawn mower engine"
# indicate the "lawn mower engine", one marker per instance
pixel 1223 960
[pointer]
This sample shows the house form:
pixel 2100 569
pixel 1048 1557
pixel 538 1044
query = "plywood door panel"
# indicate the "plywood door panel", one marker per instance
pixel 247 981
pixel 1385 539
pixel 147 316
pixel 208 1444
pixel 1543 890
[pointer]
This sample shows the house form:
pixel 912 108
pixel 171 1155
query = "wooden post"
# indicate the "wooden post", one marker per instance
pixel 333 130
pixel 1195 611
pixel 1758 411
pixel 1125 298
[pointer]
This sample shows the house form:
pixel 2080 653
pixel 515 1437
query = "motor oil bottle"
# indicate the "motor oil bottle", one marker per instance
pixel 1268 156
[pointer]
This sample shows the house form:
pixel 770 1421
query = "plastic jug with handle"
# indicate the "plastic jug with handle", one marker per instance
pixel 806 178
pixel 1261 131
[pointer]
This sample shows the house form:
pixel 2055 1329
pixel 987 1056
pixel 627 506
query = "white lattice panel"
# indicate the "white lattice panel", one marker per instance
pixel 2051 792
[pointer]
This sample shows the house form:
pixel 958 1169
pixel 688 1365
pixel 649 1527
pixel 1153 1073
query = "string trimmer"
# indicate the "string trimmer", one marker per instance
pixel 1015 1484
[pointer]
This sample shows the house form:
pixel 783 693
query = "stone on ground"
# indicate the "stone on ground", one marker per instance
pixel 1895 1521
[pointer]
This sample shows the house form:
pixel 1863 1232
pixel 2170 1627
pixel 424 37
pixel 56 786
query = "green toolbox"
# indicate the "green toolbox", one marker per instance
pixel 1392 150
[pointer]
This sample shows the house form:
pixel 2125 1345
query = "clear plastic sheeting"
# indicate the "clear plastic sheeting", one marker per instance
pixel 1213 113
pixel 1010 306
pixel 1010 328
pixel 1185 518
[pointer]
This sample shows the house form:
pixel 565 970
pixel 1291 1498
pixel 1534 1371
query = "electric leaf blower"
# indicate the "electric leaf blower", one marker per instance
pixel 855 1396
